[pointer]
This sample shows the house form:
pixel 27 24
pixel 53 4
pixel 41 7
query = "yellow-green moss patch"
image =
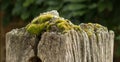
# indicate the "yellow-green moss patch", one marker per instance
pixel 46 21
pixel 91 28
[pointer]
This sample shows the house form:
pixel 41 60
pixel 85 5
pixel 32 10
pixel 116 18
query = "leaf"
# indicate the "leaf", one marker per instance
pixel 39 1
pixel 73 7
pixel 4 5
pixel 17 9
pixel 25 15
pixel 101 6
pixel 110 6
pixel 118 51
pixel 28 3
pixel 75 1
pixel 53 2
pixel 92 6
pixel 52 8
pixel 118 37
pixel 79 13
pixel 66 14
pixel 6 20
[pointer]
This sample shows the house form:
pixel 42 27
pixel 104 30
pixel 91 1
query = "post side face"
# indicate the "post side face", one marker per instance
pixel 76 46
pixel 17 46
pixel 51 47
pixel 73 46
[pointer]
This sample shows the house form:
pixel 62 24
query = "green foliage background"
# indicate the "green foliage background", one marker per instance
pixel 105 12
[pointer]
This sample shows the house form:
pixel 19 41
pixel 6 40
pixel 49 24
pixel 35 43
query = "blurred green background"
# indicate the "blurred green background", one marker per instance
pixel 17 13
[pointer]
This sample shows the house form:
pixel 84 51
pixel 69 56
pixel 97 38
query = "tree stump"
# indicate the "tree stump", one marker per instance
pixel 54 46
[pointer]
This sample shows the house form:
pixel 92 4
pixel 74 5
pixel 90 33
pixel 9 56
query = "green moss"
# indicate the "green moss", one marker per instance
pixel 63 26
pixel 88 28
pixel 59 20
pixel 39 24
pixel 45 21
pixel 91 28
pixel 33 29
pixel 42 18
pixel 36 28
pixel 99 27
pixel 76 27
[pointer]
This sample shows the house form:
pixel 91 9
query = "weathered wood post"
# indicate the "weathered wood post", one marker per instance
pixel 59 41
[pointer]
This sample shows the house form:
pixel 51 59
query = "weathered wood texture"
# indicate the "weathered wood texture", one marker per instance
pixel 76 47
pixel 18 47
pixel 73 46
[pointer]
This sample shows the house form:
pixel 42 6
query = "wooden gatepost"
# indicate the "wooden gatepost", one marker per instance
pixel 58 40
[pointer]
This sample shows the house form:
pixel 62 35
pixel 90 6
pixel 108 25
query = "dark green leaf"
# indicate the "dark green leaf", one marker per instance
pixel 118 37
pixel 5 5
pixel 28 2
pixel 6 20
pixel 110 6
pixel 79 13
pixel 75 0
pixel 17 9
pixel 101 6
pixel 39 1
pixel 73 7
pixel 92 6
pixel 25 15
pixel 53 3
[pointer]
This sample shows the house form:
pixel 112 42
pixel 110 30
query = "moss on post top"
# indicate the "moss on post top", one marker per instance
pixel 46 21
pixel 51 21
pixel 91 28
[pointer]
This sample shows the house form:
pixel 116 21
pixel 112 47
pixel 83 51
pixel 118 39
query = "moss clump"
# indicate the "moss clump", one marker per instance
pixel 36 28
pixel 63 25
pixel 88 28
pixel 98 27
pixel 46 21
pixel 42 18
pixel 50 22
pixel 91 28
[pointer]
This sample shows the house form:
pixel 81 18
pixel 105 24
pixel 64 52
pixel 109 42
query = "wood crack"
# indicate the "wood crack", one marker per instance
pixel 35 58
